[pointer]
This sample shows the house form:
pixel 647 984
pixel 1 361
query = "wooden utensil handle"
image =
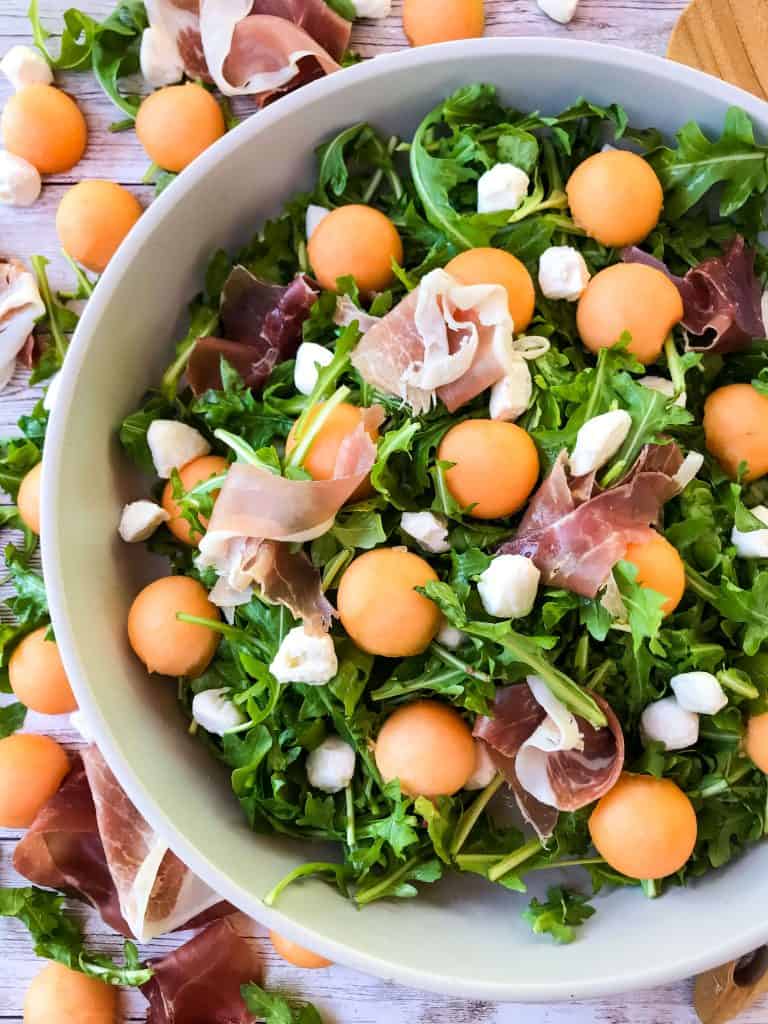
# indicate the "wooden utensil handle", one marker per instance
pixel 722 994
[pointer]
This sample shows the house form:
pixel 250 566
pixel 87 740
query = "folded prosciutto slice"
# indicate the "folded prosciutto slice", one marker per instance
pixel 552 760
pixel 575 533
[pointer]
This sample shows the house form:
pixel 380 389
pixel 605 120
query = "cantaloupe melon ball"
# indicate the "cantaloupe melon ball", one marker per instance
pixel 496 466
pixel 660 568
pixel 92 220
pixel 28 498
pixel 439 21
pixel 355 241
pixel 44 126
pixel 428 746
pixel 195 472
pixel 320 460
pixel 379 607
pixel 629 297
pixel 297 955
pixel 175 124
pixel 64 996
pixel 736 429
pixel 31 770
pixel 616 197
pixel 164 643
pixel 37 675
pixel 495 266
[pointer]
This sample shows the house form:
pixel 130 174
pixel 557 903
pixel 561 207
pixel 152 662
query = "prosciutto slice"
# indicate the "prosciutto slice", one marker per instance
pixel 20 307
pixel 575 533
pixel 553 761
pixel 721 298
pixel 199 983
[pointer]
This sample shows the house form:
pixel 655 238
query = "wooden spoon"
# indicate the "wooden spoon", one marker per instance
pixel 722 994
pixel 726 38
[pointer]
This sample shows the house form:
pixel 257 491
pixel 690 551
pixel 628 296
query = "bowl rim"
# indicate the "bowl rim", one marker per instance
pixel 611 56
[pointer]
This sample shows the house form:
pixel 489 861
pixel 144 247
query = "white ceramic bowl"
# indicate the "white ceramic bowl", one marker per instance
pixel 463 936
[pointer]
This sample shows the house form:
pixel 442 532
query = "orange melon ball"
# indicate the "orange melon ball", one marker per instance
pixel 736 429
pixel 616 197
pixel 496 466
pixel 44 126
pixel 297 955
pixel 92 220
pixel 37 675
pixel 59 994
pixel 320 460
pixel 439 21
pixel 427 746
pixel 629 297
pixel 28 498
pixel 756 740
pixel 495 266
pixel 194 473
pixel 644 827
pixel 379 607
pixel 175 124
pixel 660 568
pixel 165 644
pixel 31 770
pixel 356 241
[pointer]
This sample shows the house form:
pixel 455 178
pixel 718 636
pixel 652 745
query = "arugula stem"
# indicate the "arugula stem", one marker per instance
pixel 173 374
pixel 676 371
pixel 730 679
pixel 378 177
pixel 85 286
pixel 243 450
pixel 39 264
pixel 476 860
pixel 151 173
pixel 450 659
pixel 349 798
pixel 700 586
pixel 581 657
pixel 372 892
pixel 313 868
pixel 651 887
pixel 579 863
pixel 469 818
pixel 233 632
pixel 307 432
pixel 515 859
pixel 597 387
pixel 334 568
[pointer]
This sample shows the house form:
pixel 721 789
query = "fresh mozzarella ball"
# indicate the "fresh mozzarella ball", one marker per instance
pixel 665 387
pixel 140 519
pixel 511 396
pixel 429 530
pixel 373 8
pixel 752 543
pixel 509 586
pixel 502 188
pixel 304 658
pixel 173 445
pixel 49 398
pixel 20 182
pixel 559 10
pixel 315 216
pixel 23 65
pixel 563 273
pixel 450 637
pixel 159 58
pixel 699 692
pixel 310 358
pixel 485 770
pixel 216 712
pixel 598 440
pixel 330 766
pixel 689 470
pixel 667 722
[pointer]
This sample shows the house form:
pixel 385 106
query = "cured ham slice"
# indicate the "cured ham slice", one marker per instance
pixel 552 760
pixel 200 982
pixel 20 307
pixel 575 533
pixel 721 298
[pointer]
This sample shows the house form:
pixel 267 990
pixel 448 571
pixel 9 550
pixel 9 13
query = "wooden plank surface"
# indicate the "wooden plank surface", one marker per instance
pixel 343 996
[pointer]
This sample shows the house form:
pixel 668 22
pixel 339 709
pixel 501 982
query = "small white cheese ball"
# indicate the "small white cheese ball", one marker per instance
pixel 559 10
pixel 315 216
pixel 330 766
pixel 752 543
pixel 563 273
pixel 310 358
pixel 599 440
pixel 699 692
pixel 511 396
pixel 689 470
pixel 373 8
pixel 173 444
pixel 159 58
pixel 214 710
pixel 20 182
pixel 450 637
pixel 485 770
pixel 665 721
pixel 665 387
pixel 428 530
pixel 304 658
pixel 502 188
pixel 23 65
pixel 140 519
pixel 509 586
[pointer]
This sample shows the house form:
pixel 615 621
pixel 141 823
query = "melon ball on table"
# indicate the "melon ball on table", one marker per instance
pixel 439 21
pixel 320 458
pixel 615 197
pixel 92 220
pixel 28 498
pixel 177 123
pixel 355 241
pixel 193 473
pixel 37 675
pixel 60 994
pixel 163 642
pixel 736 430
pixel 297 955
pixel 495 266
pixel 31 770
pixel 42 125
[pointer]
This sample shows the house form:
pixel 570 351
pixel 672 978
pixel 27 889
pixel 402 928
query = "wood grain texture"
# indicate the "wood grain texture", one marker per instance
pixel 343 996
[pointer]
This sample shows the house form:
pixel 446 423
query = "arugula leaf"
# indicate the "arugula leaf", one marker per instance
pixel 644 606
pixel 30 603
pixel 76 39
pixel 747 608
pixel 562 913
pixel 57 323
pixel 11 718
pixel 276 1009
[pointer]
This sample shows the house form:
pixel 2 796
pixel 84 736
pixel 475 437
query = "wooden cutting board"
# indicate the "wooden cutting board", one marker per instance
pixel 726 38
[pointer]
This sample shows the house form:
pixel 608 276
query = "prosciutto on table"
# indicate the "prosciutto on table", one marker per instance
pixel 200 982
pixel 721 298
pixel 262 324
pixel 575 533
pixel 20 307
pixel 552 760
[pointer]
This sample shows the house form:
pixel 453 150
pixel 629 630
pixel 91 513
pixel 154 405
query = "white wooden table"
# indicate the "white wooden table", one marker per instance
pixel 343 996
